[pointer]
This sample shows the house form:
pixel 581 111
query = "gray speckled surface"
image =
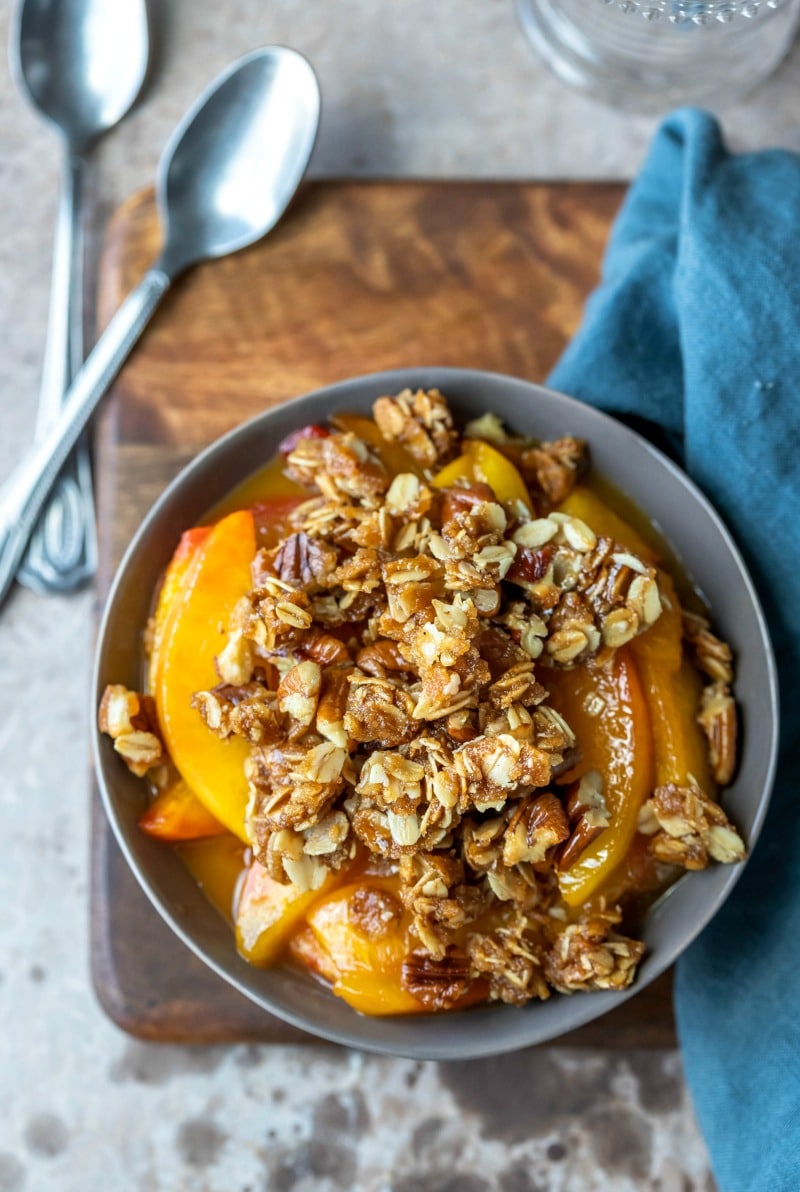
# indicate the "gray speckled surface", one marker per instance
pixel 410 89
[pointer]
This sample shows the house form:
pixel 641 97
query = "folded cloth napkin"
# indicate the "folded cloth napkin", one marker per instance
pixel 696 328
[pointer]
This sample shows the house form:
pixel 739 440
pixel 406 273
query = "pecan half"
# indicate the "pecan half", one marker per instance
pixel 717 718
pixel 712 655
pixel 536 826
pixel 438 984
pixel 299 560
pixel 298 691
pixel 462 498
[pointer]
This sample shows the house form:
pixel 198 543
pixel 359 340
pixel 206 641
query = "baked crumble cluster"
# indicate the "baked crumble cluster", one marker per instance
pixel 389 672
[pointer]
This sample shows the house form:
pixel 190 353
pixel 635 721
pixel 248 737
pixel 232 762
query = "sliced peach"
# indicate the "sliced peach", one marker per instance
pixel 368 967
pixel 269 912
pixel 177 814
pixel 672 690
pixel 217 864
pixel 174 578
pixel 195 631
pixel 600 517
pixel 485 464
pixel 606 708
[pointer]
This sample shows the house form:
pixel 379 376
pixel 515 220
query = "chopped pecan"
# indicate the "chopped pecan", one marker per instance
pixel 323 648
pixel 461 726
pixel 332 704
pixel 298 692
pixel 381 658
pixel 124 711
pixel 554 468
pixel 588 816
pixel 462 498
pixel 139 750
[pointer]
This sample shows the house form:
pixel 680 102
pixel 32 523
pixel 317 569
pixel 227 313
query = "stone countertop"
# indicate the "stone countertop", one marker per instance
pixel 410 89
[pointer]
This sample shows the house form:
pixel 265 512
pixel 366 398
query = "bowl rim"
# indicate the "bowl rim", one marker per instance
pixel 599 1002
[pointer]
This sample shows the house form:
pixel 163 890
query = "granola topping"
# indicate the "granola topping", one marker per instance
pixel 391 669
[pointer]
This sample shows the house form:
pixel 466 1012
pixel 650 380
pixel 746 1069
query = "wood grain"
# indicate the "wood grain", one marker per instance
pixel 358 277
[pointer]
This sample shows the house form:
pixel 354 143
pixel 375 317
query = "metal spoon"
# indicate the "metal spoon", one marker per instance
pixel 81 64
pixel 225 178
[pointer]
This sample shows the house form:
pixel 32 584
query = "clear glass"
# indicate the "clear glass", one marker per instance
pixel 651 55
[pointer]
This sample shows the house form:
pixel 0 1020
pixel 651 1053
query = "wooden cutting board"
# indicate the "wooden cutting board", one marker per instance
pixel 358 277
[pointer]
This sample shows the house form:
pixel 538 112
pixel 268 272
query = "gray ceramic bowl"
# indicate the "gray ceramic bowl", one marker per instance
pixel 711 558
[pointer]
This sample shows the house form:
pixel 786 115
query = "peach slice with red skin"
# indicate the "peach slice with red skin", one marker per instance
pixel 176 814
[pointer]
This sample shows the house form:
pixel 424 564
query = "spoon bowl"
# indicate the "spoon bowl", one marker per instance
pixel 234 162
pixel 82 63
pixel 225 179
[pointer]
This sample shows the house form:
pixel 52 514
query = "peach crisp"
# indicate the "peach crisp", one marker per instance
pixel 432 716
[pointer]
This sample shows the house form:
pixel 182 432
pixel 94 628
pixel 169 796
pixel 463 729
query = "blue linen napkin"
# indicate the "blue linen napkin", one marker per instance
pixel 696 328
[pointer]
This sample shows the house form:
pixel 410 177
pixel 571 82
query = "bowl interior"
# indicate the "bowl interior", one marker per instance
pixel 680 513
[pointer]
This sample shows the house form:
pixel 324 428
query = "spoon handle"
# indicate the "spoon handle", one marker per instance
pixel 28 487
pixel 62 552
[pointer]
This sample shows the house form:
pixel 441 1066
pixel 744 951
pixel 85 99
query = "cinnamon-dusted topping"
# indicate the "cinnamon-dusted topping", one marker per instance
pixel 687 828
pixel 129 718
